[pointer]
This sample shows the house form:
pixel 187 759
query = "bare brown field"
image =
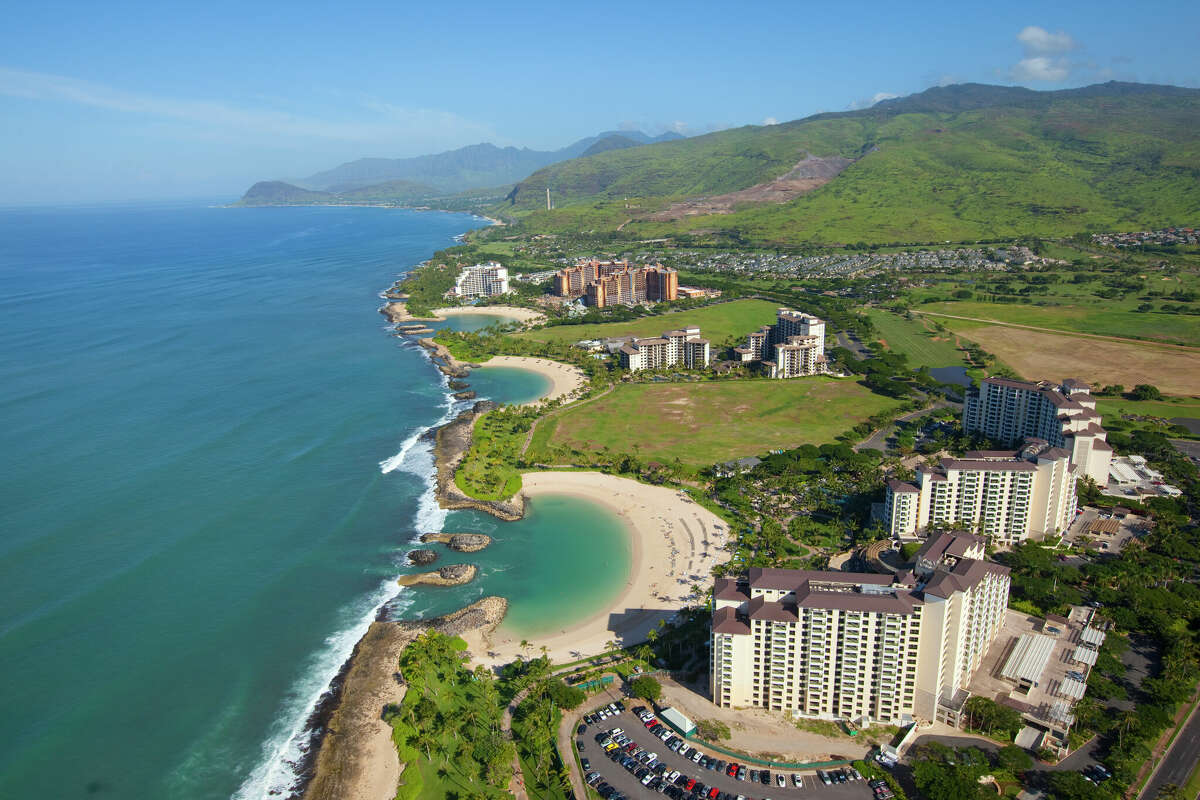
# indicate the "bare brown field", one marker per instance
pixel 1035 355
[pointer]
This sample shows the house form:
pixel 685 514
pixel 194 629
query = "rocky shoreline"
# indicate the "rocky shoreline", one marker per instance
pixel 449 575
pixel 460 542
pixel 453 441
pixel 352 754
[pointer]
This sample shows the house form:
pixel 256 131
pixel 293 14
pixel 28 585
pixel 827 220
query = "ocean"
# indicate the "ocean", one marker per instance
pixel 212 469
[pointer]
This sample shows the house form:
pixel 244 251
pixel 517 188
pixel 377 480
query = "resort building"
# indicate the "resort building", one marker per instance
pixel 608 283
pixel 481 280
pixel 791 348
pixel 1064 415
pixel 858 646
pixel 682 348
pixel 1010 496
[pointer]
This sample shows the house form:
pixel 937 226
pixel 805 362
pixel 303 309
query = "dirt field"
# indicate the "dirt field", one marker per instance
pixel 1035 355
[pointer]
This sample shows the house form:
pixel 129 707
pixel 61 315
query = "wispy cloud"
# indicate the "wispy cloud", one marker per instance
pixel 1044 55
pixel 770 121
pixel 867 102
pixel 386 121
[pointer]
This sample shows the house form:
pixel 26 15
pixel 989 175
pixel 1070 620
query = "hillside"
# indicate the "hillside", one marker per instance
pixel 471 167
pixel 952 163
pixel 278 193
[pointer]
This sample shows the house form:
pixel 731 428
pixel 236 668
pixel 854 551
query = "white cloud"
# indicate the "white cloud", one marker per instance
pixel 867 102
pixel 770 121
pixel 1039 41
pixel 387 121
pixel 1041 68
pixel 1044 55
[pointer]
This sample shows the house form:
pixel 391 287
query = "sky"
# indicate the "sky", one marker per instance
pixel 127 100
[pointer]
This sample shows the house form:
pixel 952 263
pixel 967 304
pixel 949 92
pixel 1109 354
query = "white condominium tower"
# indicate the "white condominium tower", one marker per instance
pixel 1064 415
pixel 858 646
pixel 481 280
pixel 674 348
pixel 791 348
pixel 1008 495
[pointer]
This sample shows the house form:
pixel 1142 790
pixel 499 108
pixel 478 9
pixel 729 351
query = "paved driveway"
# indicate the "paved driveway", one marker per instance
pixel 629 786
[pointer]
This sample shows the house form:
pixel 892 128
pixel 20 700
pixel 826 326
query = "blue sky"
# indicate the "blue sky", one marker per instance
pixel 129 100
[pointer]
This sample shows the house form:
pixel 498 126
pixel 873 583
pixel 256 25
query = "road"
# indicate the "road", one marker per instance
pixel 1180 760
pixel 878 439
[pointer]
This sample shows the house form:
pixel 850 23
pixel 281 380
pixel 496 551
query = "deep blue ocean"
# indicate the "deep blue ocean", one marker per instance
pixel 211 470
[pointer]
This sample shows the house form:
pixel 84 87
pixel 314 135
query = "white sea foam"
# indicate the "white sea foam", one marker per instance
pixel 276 774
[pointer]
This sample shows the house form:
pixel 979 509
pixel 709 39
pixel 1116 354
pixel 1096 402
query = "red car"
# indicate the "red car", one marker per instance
pixel 650 723
pixel 691 784
pixel 731 770
pixel 713 792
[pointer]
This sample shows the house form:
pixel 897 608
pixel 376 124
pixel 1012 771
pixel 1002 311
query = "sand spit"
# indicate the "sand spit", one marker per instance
pixel 357 759
pixel 453 441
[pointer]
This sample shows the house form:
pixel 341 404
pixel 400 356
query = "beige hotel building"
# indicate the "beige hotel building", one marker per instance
pixel 859 646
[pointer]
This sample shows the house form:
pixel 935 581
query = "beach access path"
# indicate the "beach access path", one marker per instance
pixel 675 543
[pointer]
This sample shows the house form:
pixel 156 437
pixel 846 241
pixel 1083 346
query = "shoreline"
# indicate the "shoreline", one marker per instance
pixel 526 316
pixel 564 378
pixel 355 757
pixel 667 538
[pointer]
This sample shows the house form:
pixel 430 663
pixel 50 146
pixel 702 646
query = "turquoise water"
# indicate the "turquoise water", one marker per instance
pixel 513 384
pixel 211 472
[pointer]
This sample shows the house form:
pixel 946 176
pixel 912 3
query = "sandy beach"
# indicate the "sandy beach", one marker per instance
pixel 564 378
pixel 675 544
pixel 523 315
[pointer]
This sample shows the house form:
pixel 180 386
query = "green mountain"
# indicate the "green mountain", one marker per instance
pixel 614 142
pixel 278 193
pixel 951 163
pixel 472 167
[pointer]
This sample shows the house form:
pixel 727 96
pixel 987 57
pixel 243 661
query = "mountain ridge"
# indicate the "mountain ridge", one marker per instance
pixel 958 162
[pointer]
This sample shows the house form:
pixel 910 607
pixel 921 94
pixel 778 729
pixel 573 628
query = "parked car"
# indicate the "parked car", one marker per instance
pixel 797 781
pixel 780 781
pixel 764 777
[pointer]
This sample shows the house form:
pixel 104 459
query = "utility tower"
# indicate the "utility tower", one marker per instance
pixel 547 198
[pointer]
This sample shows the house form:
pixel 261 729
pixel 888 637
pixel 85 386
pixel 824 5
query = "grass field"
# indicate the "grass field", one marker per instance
pixel 1096 317
pixel 705 423
pixel 916 339
pixel 1167 409
pixel 717 323
pixel 1035 355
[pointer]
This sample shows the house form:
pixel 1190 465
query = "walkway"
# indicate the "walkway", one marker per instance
pixel 878 439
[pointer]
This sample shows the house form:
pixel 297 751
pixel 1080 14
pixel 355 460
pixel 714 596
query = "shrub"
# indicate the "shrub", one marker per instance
pixel 646 688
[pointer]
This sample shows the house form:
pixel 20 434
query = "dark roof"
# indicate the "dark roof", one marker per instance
pixel 898 602
pixel 761 608
pixel 725 620
pixel 1075 383
pixel 978 455
pixel 966 573
pixel 1011 466
pixel 790 579
pixel 1011 384
pixel 728 589
pixel 955 543
pixel 901 486
pixel 1055 452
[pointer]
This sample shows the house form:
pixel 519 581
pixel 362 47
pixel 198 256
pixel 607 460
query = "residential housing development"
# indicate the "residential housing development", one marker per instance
pixel 481 280
pixel 859 646
pixel 608 283
pixel 682 348
pixel 1010 495
pixel 791 348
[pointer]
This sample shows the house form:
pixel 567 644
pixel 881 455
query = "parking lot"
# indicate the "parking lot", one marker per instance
pixel 628 784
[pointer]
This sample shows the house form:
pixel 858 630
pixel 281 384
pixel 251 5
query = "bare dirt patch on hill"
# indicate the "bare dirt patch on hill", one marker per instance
pixel 810 173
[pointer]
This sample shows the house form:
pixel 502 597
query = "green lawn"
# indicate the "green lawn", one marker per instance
pixel 1167 409
pixel 717 323
pixel 916 340
pixel 1096 317
pixel 705 423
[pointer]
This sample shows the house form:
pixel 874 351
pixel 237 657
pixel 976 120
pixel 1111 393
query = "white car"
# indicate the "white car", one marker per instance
pixel 797 781
pixel 696 756
pixel 683 749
